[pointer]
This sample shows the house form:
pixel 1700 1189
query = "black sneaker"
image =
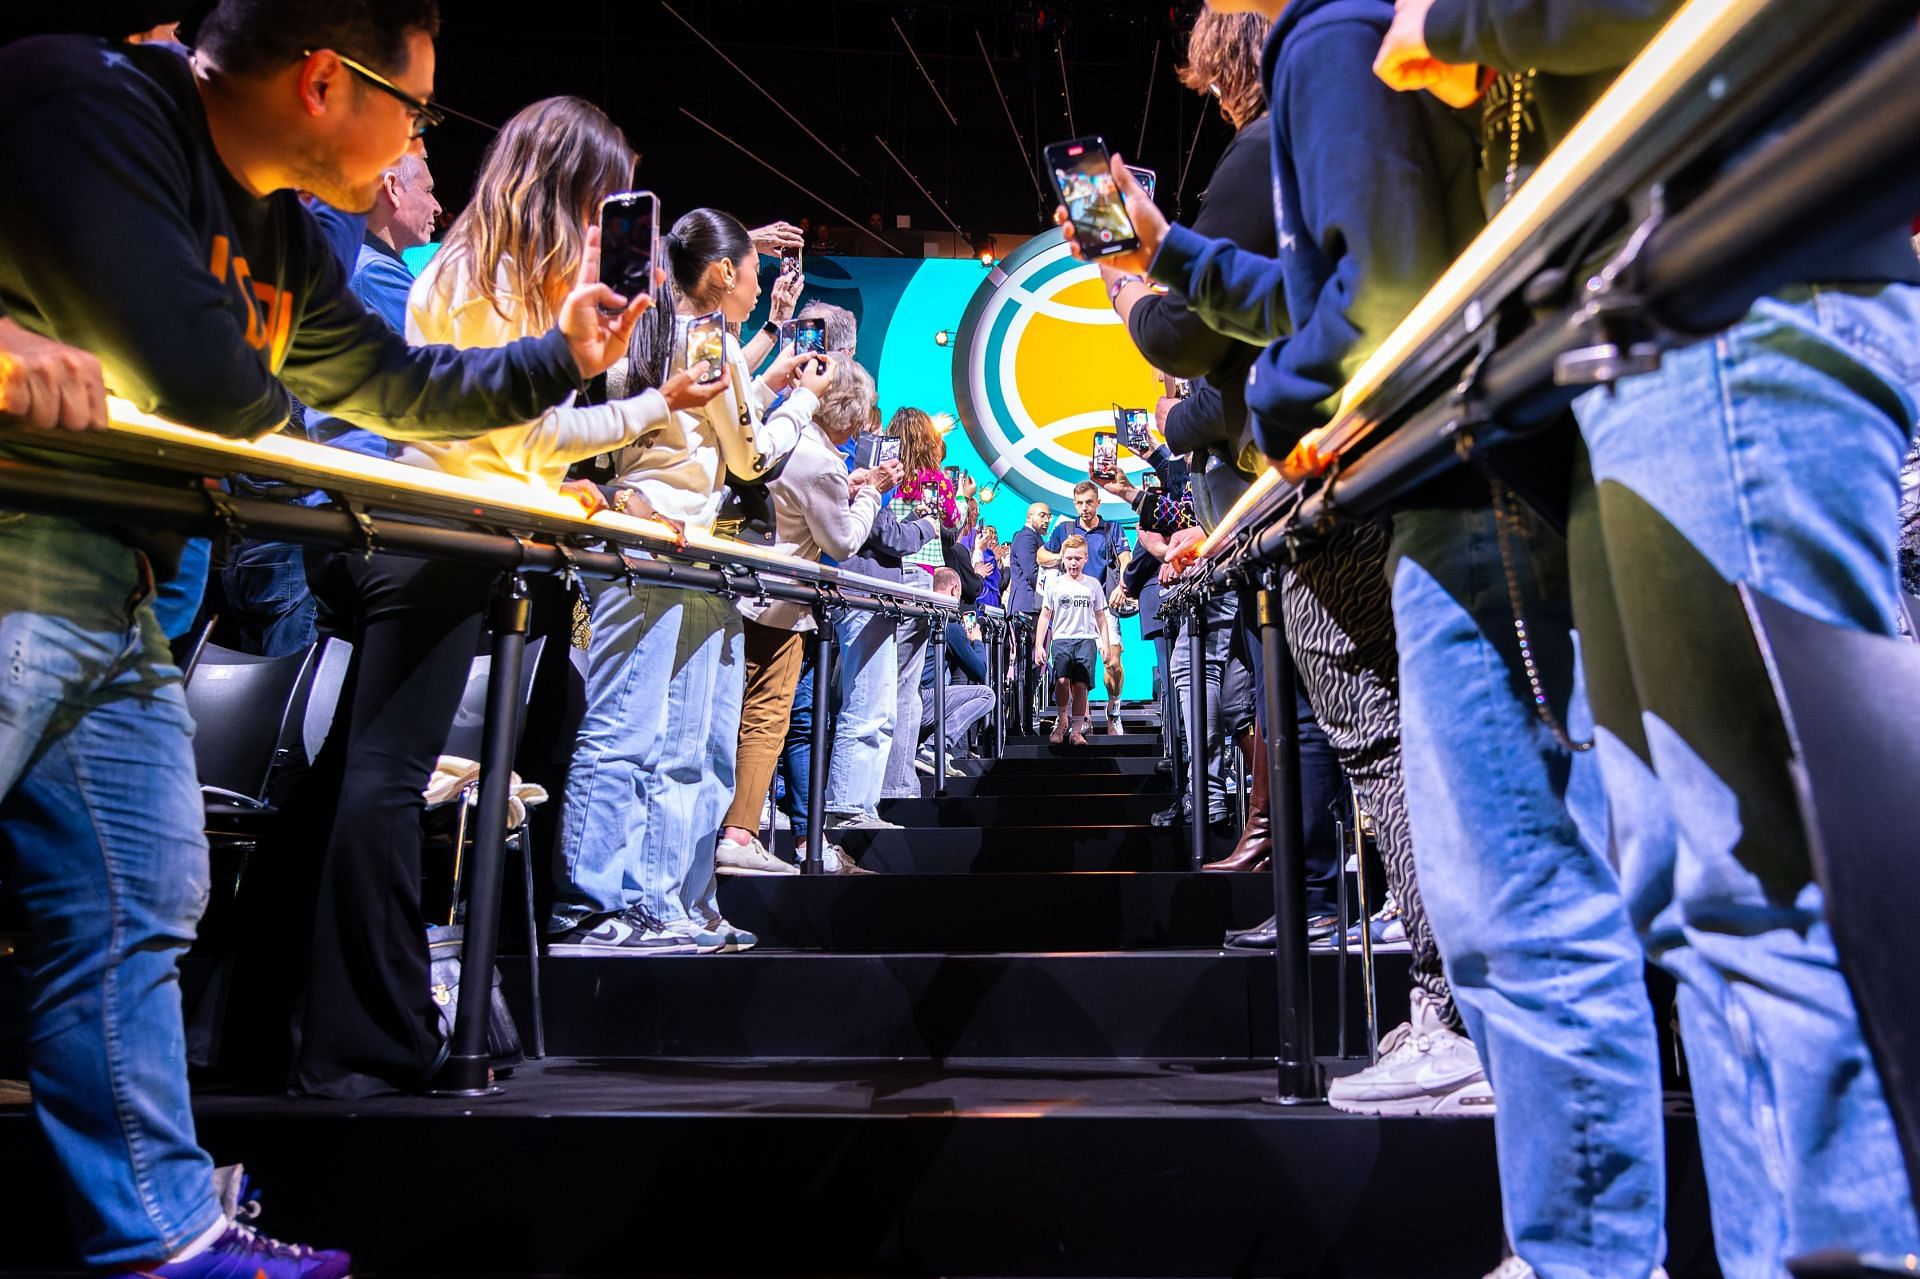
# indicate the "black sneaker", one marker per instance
pixel 633 932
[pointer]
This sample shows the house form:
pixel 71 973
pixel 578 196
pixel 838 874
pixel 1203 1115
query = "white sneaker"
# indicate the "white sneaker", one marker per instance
pixel 750 858
pixel 923 765
pixel 860 821
pixel 1424 1069
pixel 834 861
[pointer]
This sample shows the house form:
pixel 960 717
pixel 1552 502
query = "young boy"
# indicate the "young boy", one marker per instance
pixel 1072 612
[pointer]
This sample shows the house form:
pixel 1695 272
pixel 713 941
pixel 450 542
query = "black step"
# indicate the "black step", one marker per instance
pixel 1071 808
pixel 1187 1004
pixel 995 912
pixel 1016 849
pixel 1036 782
pixel 859 1169
pixel 1099 746
pixel 1081 764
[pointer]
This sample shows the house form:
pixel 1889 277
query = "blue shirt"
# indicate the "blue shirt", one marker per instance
pixel 380 278
pixel 1105 541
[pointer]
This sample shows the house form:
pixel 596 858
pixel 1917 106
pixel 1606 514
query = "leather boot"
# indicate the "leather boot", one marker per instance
pixel 1256 838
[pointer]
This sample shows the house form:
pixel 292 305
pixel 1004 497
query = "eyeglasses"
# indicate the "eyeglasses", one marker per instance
pixel 425 114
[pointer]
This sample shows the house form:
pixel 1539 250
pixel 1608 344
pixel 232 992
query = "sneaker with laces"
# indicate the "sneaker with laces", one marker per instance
pixel 1059 734
pixel 1424 1069
pixel 750 858
pixel 860 821
pixel 717 935
pixel 633 932
pixel 835 861
pixel 241 1252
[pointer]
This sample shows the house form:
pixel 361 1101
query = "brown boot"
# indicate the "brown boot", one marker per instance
pixel 1256 839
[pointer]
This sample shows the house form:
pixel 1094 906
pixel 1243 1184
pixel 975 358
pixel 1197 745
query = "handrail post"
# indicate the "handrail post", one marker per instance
pixel 466 1073
pixel 823 647
pixel 1298 1072
pixel 1198 745
pixel 939 627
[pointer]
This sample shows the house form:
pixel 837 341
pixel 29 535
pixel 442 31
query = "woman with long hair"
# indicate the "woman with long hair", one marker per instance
pixel 653 767
pixel 923 452
pixel 369 1023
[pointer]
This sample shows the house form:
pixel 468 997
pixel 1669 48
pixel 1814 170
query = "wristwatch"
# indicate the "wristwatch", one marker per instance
pixel 1113 290
pixel 771 328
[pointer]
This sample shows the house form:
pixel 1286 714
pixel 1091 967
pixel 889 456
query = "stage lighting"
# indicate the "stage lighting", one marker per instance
pixel 942 338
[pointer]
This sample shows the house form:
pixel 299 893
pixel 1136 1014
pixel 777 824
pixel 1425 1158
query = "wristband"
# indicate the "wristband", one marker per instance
pixel 1113 290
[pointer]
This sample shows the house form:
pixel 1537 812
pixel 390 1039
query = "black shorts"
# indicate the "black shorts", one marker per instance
pixel 1075 660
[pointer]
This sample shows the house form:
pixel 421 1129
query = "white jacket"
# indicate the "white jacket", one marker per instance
pixel 681 469
pixel 812 516
pixel 444 307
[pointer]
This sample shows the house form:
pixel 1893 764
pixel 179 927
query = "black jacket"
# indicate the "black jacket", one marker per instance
pixel 1238 206
pixel 1578 47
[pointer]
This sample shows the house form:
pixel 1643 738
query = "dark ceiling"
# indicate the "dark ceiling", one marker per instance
pixel 843 70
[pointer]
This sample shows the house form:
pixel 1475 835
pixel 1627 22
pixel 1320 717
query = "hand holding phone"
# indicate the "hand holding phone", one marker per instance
pixel 707 340
pixel 1106 455
pixel 807 335
pixel 1092 224
pixel 629 242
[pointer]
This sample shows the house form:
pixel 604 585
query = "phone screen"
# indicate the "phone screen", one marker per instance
pixel 1134 425
pixel 790 260
pixel 808 335
pixel 1147 178
pixel 1082 175
pixel 1106 454
pixel 629 229
pixel 707 340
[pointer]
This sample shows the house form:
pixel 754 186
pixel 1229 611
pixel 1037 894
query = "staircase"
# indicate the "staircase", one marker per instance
pixel 1017 1051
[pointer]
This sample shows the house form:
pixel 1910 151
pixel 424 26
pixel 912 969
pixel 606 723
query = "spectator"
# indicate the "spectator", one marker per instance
pixel 819 509
pixel 85 255
pixel 923 452
pixel 268 599
pixel 966 703
pixel 1023 603
pixel 1107 555
pixel 652 774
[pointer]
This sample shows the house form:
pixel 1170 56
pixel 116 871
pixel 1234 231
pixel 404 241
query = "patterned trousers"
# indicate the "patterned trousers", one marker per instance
pixel 1339 614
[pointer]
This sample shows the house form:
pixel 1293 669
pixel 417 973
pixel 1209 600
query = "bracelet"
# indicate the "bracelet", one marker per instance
pixel 1113 290
pixel 620 501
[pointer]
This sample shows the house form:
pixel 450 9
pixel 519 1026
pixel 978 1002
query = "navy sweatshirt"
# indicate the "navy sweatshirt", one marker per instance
pixel 127 237
pixel 1375 194
pixel 1578 47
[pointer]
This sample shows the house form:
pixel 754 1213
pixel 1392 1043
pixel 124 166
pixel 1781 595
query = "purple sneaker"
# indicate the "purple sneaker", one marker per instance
pixel 244 1253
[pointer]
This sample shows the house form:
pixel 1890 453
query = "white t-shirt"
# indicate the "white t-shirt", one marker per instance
pixel 1078 606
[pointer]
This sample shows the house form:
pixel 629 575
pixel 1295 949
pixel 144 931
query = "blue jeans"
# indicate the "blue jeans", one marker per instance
pixel 869 701
pixel 101 832
pixel 1769 456
pixel 796 757
pixel 912 640
pixel 176 605
pixel 652 771
pixel 1509 844
pixel 268 598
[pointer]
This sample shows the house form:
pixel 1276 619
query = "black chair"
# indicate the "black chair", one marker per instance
pixel 241 705
pixel 1851 702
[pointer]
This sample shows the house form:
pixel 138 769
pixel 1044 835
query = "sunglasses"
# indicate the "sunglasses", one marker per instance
pixel 425 114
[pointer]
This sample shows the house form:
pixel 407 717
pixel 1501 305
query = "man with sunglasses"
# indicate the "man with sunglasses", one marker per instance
pixel 151 219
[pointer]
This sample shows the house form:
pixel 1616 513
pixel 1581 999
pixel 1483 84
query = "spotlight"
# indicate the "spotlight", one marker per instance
pixel 942 338
pixel 987 494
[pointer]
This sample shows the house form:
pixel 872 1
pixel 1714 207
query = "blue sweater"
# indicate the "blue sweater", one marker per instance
pixel 1375 193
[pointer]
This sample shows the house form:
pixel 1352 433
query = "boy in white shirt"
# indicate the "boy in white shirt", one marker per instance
pixel 1072 613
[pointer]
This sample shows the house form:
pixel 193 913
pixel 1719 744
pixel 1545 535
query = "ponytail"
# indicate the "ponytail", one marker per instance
pixel 697 241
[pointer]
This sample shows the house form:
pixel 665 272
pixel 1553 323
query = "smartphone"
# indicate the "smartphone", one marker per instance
pixel 871 450
pixel 1106 454
pixel 629 242
pixel 1147 178
pixel 1134 426
pixel 809 334
pixel 953 477
pixel 791 260
pixel 707 340
pixel 1084 178
pixel 1182 388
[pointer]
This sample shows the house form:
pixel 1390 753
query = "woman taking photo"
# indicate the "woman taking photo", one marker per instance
pixel 653 767
pixel 369 1023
